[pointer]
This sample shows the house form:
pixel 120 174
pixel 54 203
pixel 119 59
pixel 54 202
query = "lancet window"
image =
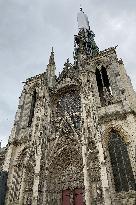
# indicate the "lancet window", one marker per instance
pixel 104 88
pixel 32 108
pixel 120 163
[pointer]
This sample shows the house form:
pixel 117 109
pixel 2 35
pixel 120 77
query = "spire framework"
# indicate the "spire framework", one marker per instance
pixel 84 42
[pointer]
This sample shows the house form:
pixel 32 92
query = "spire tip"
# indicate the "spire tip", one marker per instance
pixel 51 58
pixel 52 50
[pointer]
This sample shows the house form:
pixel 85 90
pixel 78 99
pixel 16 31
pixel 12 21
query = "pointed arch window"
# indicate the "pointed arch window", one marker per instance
pixel 120 162
pixel 32 108
pixel 104 88
pixel 100 86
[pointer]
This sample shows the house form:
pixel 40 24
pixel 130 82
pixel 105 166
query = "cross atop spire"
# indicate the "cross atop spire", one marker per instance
pixel 81 7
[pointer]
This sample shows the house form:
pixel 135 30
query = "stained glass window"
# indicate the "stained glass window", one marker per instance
pixel 120 162
pixel 70 104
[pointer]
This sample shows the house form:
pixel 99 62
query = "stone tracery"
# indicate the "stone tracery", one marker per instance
pixel 64 142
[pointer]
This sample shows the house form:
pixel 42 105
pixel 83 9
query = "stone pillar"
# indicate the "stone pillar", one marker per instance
pixel 36 176
pixel 8 158
pixel 45 191
pixel 45 196
pixel 104 177
pixel 88 197
pixel 35 189
pixel 84 102
pixel 22 189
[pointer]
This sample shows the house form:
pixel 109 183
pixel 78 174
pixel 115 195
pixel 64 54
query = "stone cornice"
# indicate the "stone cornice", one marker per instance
pixel 115 115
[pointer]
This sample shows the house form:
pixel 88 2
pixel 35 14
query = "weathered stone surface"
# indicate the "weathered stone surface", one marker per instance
pixel 60 137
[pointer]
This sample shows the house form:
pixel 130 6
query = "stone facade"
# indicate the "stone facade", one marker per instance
pixel 2 156
pixel 60 148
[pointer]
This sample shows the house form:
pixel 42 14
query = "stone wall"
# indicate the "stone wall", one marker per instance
pixel 2 156
pixel 64 145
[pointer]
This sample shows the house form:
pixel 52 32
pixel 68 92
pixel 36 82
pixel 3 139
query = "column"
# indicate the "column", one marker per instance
pixel 88 195
pixel 104 177
pixel 22 189
pixel 36 176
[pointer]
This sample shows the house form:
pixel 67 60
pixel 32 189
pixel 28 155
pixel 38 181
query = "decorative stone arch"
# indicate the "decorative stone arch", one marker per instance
pixel 73 136
pixel 17 173
pixel 23 157
pixel 29 177
pixel 64 169
pixel 104 61
pixel 119 167
pixel 64 173
pixel 65 88
pixel 59 151
pixel 64 164
pixel 21 151
pixel 119 129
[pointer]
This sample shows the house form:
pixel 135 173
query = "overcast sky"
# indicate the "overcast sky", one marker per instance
pixel 29 28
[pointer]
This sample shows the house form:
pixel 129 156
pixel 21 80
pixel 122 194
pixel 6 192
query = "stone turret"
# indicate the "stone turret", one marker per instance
pixel 51 70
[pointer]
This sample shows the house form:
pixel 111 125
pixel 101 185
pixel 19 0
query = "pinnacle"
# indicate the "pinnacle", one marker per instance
pixel 51 59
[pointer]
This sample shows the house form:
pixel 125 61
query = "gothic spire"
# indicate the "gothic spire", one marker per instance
pixel 51 70
pixel 84 41
pixel 51 59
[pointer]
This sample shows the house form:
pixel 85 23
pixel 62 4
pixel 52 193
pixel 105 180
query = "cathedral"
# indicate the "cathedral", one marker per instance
pixel 74 135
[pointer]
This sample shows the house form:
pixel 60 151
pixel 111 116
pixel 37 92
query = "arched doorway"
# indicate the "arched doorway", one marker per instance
pixel 65 178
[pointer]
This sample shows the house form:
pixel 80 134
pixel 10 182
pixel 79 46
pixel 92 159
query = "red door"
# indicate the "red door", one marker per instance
pixel 66 197
pixel 78 197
